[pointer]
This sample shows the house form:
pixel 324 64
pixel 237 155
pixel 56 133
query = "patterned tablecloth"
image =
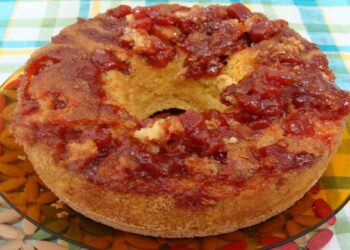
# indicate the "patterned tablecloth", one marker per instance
pixel 28 24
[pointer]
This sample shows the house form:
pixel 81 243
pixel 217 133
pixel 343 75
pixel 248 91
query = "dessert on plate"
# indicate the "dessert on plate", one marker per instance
pixel 261 117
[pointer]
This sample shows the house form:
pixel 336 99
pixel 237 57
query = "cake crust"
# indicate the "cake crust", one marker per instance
pixel 159 217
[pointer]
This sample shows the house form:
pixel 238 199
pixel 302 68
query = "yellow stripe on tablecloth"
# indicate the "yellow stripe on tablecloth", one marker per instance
pixel 346 134
pixel 10 52
pixel 9 22
pixel 342 55
pixel 335 197
pixel 95 8
pixel 346 59
pixel 340 166
pixel 340 163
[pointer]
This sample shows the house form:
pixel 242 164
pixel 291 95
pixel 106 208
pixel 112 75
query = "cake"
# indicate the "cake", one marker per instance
pixel 258 118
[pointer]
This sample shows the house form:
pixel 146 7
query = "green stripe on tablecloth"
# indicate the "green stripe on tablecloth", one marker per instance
pixel 342 230
pixel 269 10
pixel 343 240
pixel 332 182
pixel 342 227
pixel 34 23
pixel 339 28
pixel 8 67
pixel 49 24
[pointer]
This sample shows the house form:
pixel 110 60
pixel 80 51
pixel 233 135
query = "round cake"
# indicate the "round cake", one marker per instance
pixel 179 122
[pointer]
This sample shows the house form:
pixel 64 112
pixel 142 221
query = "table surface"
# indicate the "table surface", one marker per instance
pixel 28 24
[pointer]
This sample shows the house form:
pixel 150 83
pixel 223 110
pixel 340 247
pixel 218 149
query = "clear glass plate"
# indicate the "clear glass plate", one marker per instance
pixel 21 187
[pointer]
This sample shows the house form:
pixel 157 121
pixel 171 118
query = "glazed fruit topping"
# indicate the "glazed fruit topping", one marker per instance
pixel 276 157
pixel 238 11
pixel 106 60
pixel 260 28
pixel 207 35
pixel 271 92
pixel 120 11
pixel 299 124
pixel 39 64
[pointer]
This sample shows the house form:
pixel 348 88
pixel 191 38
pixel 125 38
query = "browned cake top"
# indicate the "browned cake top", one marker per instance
pixel 282 114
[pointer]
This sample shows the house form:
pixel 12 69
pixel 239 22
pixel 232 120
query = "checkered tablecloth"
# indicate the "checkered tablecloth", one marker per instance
pixel 28 24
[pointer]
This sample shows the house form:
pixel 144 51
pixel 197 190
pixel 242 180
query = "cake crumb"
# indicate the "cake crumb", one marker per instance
pixel 22 157
pixel 62 214
pixel 212 124
pixel 160 130
pixel 231 140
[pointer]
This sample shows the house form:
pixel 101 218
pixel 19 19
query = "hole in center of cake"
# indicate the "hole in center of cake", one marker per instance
pixel 167 112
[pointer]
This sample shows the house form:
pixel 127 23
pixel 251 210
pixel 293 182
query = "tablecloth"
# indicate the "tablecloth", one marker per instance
pixel 28 24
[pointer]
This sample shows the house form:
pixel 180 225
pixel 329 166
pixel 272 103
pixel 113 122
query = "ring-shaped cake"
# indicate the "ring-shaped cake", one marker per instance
pixel 258 118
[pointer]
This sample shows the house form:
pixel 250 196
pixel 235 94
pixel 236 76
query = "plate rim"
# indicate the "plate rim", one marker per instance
pixel 83 245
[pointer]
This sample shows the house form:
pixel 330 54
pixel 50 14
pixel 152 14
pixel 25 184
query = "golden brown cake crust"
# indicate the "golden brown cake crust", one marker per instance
pixel 159 217
pixel 262 118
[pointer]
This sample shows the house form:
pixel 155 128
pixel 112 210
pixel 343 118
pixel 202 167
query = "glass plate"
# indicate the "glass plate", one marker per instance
pixel 21 187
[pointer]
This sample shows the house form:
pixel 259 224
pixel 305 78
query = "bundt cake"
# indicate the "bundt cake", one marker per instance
pixel 258 118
